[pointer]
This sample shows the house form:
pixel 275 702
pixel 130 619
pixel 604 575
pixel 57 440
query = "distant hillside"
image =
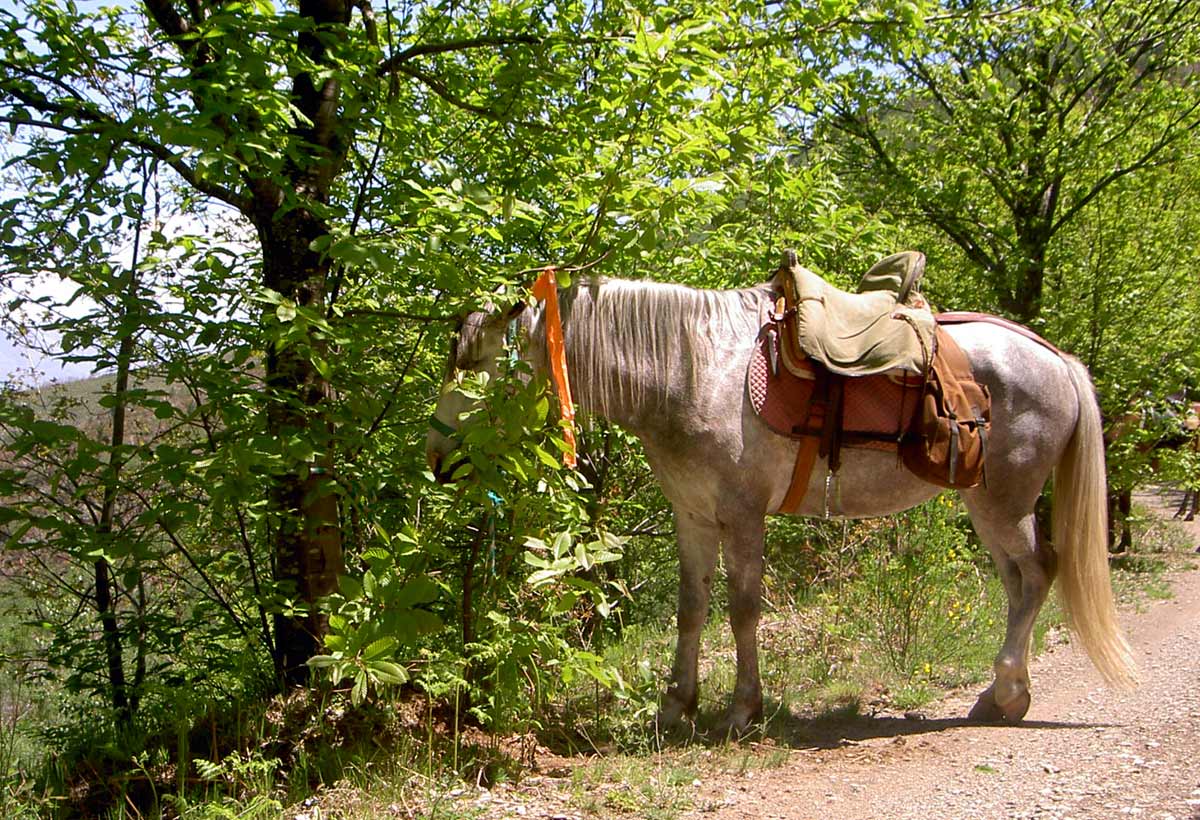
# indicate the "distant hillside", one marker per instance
pixel 81 403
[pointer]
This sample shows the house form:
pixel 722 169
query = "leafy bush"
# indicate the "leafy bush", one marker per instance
pixel 925 599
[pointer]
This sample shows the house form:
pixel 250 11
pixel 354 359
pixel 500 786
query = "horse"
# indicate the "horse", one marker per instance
pixel 668 363
pixel 1173 425
pixel 1189 505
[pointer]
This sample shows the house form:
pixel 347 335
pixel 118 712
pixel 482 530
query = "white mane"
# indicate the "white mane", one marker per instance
pixel 629 344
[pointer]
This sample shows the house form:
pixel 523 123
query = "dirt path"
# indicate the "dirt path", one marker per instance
pixel 1083 752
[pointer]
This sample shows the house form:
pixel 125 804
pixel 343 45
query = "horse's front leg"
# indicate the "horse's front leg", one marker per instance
pixel 743 542
pixel 697 562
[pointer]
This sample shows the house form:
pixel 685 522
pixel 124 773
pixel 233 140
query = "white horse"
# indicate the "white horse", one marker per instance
pixel 668 363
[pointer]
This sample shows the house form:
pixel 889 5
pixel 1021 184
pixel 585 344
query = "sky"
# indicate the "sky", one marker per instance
pixel 19 362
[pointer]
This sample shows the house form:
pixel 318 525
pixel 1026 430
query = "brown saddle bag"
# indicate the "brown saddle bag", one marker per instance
pixel 948 440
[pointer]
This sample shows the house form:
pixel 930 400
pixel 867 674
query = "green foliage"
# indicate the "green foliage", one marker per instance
pixel 931 606
pixel 1001 129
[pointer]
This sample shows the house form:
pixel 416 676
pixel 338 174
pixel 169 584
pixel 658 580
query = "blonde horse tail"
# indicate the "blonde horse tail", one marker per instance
pixel 1080 535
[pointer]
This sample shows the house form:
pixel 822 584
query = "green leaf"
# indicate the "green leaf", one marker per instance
pixel 350 587
pixel 420 590
pixel 546 459
pixel 380 648
pixel 388 672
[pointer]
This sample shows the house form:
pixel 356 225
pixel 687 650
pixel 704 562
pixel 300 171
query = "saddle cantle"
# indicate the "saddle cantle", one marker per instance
pixel 887 325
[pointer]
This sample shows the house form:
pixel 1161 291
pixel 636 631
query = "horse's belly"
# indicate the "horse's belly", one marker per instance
pixel 869 483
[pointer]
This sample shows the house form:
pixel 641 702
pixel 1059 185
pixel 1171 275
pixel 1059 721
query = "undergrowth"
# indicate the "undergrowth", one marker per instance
pixel 859 617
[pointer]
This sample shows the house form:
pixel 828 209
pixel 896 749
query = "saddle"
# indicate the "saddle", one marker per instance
pixel 886 326
pixel 837 369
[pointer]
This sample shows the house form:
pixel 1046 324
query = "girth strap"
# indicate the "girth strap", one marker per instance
pixel 806 458
pixel 831 433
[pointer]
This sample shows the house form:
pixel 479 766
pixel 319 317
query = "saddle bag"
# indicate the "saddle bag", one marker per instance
pixel 947 444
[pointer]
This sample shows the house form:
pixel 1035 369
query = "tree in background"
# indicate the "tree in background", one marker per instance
pixel 1000 127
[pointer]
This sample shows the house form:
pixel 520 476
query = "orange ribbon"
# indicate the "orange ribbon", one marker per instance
pixel 545 289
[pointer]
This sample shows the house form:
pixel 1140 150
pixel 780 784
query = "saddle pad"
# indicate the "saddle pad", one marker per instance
pixel 876 410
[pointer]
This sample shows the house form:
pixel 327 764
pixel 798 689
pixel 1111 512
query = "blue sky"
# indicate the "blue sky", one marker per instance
pixel 18 361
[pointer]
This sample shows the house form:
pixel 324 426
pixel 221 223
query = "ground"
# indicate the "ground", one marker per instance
pixel 1083 751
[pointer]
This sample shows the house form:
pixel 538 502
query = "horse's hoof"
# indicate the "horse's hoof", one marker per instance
pixel 732 730
pixel 986 710
pixel 738 724
pixel 672 713
pixel 672 733
pixel 1015 709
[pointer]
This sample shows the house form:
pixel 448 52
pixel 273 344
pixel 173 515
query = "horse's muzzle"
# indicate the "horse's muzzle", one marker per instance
pixel 442 468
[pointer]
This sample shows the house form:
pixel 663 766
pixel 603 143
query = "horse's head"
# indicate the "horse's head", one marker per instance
pixel 476 344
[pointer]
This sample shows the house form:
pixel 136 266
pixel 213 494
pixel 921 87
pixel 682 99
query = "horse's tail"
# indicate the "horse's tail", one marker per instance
pixel 1081 540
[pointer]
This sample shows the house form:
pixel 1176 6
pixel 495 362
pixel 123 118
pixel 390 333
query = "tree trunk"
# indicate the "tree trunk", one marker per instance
pixel 1025 303
pixel 124 701
pixel 306 537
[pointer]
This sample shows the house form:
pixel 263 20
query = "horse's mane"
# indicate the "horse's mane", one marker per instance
pixel 629 343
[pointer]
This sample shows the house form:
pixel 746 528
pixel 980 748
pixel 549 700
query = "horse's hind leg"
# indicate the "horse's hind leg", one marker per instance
pixel 1026 569
pixel 697 544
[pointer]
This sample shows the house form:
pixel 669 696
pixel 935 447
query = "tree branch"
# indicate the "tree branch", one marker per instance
pixel 398 314
pixel 119 133
pixel 438 87
pixel 170 21
pixel 1171 134
pixel 394 62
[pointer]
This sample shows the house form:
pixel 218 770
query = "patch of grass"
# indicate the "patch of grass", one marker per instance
pixel 1161 546
pixel 840 696
pixel 659 788
pixel 1159 589
pixel 915 694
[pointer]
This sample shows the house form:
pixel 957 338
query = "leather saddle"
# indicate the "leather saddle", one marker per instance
pixel 853 364
pixel 886 325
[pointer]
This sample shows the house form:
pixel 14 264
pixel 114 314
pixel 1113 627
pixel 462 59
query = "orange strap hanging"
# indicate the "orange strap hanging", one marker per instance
pixel 545 289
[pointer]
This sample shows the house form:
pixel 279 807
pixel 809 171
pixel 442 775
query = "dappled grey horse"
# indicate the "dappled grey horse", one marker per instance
pixel 668 363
